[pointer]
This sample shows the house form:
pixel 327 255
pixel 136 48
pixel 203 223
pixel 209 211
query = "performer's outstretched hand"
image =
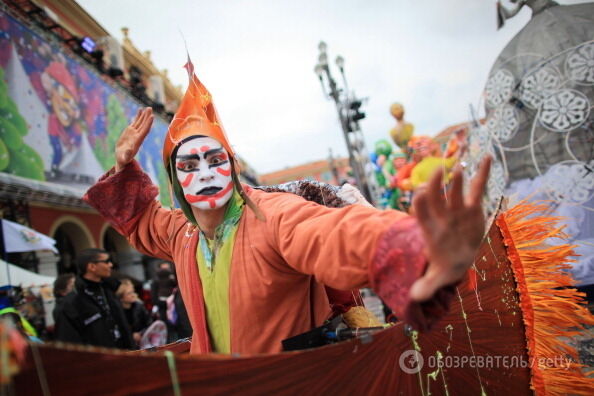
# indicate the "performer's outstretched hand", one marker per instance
pixel 453 229
pixel 132 137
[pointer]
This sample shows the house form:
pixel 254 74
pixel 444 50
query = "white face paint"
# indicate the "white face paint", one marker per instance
pixel 203 169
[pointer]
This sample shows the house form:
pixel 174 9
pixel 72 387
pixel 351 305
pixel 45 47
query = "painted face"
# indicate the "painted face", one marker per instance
pixel 64 105
pixel 203 169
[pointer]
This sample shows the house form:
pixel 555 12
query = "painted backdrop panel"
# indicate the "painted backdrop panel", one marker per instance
pixel 60 119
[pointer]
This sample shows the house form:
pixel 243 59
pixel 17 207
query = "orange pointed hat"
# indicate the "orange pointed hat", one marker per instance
pixel 196 115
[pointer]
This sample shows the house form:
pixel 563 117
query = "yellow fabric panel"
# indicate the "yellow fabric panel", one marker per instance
pixel 215 287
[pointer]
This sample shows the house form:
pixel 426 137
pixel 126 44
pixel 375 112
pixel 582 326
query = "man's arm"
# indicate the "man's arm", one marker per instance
pixel 349 248
pixel 127 200
pixel 125 196
pixel 412 263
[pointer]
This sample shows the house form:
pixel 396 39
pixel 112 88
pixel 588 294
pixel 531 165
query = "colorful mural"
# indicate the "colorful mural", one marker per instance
pixel 60 119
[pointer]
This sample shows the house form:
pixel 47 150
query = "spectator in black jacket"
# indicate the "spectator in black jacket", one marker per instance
pixel 168 300
pixel 63 285
pixel 92 314
pixel 162 286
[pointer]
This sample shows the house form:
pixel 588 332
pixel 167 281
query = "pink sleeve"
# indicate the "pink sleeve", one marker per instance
pixel 397 264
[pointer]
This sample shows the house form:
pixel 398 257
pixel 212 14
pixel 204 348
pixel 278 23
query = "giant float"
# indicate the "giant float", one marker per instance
pixel 508 332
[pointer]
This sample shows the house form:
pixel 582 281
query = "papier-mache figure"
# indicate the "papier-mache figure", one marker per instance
pixel 403 130
pixel 253 265
pixel 384 171
pixel 430 161
pixel 384 160
pixel 401 200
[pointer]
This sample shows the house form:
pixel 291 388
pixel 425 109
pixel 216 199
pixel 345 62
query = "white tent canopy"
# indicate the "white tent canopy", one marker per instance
pixel 21 277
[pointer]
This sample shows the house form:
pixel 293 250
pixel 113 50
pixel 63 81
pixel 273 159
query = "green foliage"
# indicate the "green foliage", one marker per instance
pixel 10 135
pixel 15 117
pixel 4 156
pixel 116 123
pixel 25 162
pixel 3 94
pixel 33 156
pixel 16 157
pixel 164 195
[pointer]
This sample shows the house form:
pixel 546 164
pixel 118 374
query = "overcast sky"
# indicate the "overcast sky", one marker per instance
pixel 257 58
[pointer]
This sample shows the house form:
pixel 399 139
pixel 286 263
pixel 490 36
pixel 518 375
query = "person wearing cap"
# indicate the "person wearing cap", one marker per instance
pixel 252 265
pixel 62 96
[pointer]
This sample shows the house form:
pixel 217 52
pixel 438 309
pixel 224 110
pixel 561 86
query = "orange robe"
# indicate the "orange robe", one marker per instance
pixel 279 266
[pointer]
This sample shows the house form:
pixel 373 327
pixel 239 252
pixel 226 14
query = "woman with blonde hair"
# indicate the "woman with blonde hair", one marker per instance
pixel 136 314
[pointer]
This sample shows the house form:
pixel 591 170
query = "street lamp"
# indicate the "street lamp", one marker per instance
pixel 349 115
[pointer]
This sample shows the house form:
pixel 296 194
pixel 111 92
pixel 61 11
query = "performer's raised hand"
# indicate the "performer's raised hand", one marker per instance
pixel 453 229
pixel 132 137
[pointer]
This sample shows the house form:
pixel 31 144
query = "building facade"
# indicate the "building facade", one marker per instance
pixel 67 90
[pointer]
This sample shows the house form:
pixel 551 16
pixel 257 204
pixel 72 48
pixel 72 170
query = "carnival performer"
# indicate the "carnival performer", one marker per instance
pixel 252 265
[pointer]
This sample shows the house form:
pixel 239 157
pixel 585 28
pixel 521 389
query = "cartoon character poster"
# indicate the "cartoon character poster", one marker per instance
pixel 60 119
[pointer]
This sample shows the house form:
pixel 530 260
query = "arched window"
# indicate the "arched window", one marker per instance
pixel 71 237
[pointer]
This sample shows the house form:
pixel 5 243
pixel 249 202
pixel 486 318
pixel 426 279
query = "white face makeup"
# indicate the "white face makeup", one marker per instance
pixel 203 169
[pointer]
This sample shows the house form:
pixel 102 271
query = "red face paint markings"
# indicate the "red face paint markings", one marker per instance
pixel 209 198
pixel 204 148
pixel 193 151
pixel 187 180
pixel 224 172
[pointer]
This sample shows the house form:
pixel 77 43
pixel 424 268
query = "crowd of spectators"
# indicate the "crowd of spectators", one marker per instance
pixel 101 307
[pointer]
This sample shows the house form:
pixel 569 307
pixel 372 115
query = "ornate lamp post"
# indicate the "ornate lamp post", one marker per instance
pixel 349 115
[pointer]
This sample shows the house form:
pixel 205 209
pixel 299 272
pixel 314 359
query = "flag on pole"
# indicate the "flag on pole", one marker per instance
pixel 18 238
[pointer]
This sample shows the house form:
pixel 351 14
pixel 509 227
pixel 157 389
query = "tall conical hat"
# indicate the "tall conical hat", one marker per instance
pixel 196 115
